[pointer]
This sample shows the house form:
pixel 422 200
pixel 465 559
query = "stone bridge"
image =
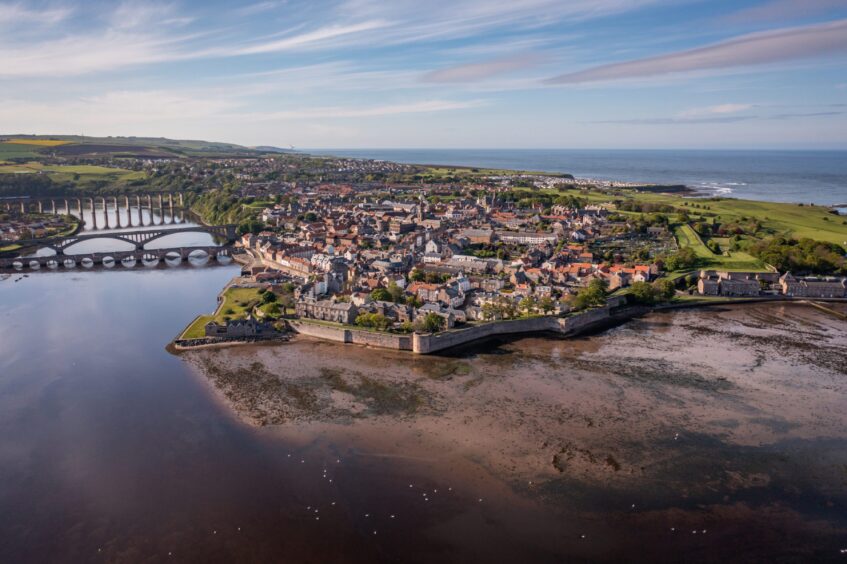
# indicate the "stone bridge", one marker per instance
pixel 111 258
pixel 138 238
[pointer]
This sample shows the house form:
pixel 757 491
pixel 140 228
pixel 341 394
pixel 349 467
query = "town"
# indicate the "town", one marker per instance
pixel 404 257
pixel 398 249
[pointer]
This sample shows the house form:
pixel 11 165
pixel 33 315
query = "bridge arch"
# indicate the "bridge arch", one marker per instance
pixel 80 247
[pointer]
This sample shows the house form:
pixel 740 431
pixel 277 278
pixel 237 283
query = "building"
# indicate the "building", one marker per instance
pixel 527 237
pixel 732 284
pixel 812 287
pixel 327 310
pixel 240 328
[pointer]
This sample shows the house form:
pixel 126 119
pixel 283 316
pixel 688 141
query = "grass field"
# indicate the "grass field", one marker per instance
pixel 730 260
pixel 81 174
pixel 240 301
pixel 18 151
pixel 790 220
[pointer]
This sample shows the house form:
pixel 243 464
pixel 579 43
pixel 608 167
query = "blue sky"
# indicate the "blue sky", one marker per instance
pixel 432 73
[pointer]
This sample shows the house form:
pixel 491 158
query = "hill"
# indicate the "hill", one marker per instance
pixel 15 147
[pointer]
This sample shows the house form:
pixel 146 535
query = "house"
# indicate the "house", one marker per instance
pixel 813 287
pixel 732 284
pixel 327 310
pixel 239 328
pixel 527 237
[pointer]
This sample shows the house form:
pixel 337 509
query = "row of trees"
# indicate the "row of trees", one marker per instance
pixel 805 255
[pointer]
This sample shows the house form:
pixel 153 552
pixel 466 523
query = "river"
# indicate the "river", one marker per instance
pixel 701 435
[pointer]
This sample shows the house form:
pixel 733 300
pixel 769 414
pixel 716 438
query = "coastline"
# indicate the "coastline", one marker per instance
pixel 776 177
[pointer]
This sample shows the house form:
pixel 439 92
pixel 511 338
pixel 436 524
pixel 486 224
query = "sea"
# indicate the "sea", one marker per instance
pixel 818 177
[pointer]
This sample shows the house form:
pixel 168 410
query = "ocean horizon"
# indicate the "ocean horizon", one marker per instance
pixel 807 176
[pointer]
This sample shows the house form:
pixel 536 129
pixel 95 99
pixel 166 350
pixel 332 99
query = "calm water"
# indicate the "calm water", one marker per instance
pixel 112 450
pixel 779 176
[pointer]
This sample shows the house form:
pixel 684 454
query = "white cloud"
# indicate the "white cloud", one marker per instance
pixel 428 106
pixel 461 18
pixel 259 8
pixel 747 50
pixel 721 109
pixel 785 10
pixel 17 14
pixel 136 14
pixel 479 71
pixel 321 36
pixel 76 55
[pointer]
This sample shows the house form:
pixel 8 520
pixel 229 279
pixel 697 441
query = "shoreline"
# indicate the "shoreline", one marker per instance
pixel 587 322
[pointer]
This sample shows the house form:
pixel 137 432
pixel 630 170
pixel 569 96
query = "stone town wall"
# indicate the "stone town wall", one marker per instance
pixel 356 336
pixel 383 340
pixel 582 321
pixel 337 334
pixel 427 344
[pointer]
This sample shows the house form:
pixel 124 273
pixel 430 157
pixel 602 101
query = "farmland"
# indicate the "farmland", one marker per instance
pixel 38 142
pixel 81 174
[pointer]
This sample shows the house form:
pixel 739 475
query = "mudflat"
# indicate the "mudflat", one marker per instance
pixel 697 434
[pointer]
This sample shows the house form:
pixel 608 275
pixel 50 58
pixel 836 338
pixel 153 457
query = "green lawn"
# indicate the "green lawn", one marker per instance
pixel 731 260
pixel 239 300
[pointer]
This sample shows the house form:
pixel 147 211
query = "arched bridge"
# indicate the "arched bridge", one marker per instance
pixel 137 238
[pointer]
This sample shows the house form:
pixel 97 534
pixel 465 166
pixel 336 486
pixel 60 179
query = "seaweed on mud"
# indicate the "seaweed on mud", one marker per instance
pixel 812 351
pixel 445 370
pixel 653 370
pixel 381 398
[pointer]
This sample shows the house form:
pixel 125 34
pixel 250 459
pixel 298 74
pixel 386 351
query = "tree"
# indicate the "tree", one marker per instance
pixel 416 275
pixel 546 304
pixel 592 295
pixel 643 293
pixel 381 295
pixel 528 304
pixel 374 320
pixel 683 259
pixel 268 297
pixel 395 291
pixel 430 323
pixel 665 288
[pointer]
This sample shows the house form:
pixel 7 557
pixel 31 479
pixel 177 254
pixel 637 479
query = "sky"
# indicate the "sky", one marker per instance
pixel 711 74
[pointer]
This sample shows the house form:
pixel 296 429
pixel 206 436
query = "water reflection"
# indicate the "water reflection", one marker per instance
pixel 127 218
pixel 113 219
